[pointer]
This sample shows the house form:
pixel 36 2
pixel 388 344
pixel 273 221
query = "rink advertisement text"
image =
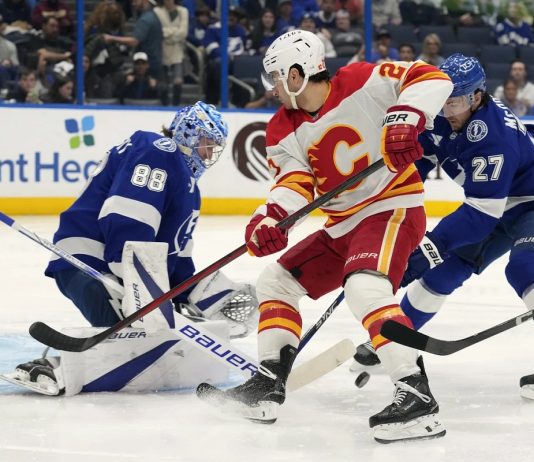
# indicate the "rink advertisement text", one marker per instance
pixel 42 167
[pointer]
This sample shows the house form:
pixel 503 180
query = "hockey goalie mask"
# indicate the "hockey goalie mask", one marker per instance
pixel 200 134
pixel 295 47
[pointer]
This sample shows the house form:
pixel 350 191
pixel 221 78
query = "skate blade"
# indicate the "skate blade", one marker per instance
pixel 45 386
pixel 266 412
pixel 425 427
pixel 527 391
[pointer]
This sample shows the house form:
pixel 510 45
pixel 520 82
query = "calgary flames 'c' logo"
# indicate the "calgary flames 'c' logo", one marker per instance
pixel 336 156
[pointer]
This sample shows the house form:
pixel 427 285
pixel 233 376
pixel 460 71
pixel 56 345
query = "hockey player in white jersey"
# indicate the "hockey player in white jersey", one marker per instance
pixel 326 131
pixel 481 145
pixel 142 201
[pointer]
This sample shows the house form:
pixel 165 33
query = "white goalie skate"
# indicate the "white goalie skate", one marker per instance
pixel 37 375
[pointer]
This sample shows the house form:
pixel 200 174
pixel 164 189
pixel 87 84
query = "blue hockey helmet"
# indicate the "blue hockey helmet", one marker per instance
pixel 200 133
pixel 466 73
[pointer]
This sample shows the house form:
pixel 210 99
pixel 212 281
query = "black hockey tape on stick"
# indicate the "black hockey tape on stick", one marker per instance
pixel 399 333
pixel 51 337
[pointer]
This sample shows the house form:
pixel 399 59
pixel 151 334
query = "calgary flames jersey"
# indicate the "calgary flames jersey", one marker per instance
pixel 310 156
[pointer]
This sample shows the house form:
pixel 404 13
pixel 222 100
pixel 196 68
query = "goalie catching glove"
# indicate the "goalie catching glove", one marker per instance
pixel 427 255
pixel 399 144
pixel 218 298
pixel 262 235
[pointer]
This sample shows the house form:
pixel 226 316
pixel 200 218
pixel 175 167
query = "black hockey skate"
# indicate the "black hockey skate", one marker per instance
pixel 527 386
pixel 413 414
pixel 365 360
pixel 259 397
pixel 37 375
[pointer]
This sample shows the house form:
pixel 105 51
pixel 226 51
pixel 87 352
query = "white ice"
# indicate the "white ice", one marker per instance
pixel 478 388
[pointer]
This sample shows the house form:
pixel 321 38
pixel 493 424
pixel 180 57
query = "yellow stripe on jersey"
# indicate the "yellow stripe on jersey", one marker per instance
pixel 383 313
pixel 300 183
pixel 390 237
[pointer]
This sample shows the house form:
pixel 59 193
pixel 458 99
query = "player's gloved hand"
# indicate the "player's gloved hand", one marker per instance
pixel 399 144
pixel 428 254
pixel 262 236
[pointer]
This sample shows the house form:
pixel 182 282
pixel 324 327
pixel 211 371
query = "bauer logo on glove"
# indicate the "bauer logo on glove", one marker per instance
pixel 399 144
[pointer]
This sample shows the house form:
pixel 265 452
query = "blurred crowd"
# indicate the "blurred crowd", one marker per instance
pixel 144 51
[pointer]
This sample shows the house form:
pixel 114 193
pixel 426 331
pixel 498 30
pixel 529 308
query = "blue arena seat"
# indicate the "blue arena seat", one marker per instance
pixel 497 54
pixel 445 33
pixel 475 35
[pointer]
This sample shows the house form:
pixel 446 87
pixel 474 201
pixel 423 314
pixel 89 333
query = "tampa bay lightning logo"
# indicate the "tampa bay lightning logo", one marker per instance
pixel 165 144
pixel 467 65
pixel 476 130
pixel 183 243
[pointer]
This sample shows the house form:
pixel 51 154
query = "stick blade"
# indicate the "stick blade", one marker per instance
pixel 320 365
pixel 54 339
pixel 402 334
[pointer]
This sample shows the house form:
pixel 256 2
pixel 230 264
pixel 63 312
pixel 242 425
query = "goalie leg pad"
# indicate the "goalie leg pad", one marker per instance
pixel 152 257
pixel 138 360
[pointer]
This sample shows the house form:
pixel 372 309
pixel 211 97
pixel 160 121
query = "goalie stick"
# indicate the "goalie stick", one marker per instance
pixel 112 284
pixel 399 333
pixel 51 337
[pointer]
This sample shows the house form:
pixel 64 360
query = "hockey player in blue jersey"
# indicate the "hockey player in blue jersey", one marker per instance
pixel 143 198
pixel 482 146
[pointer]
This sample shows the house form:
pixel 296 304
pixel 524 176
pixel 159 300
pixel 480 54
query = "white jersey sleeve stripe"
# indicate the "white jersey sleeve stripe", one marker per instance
pixel 81 246
pixel 144 213
pixel 492 207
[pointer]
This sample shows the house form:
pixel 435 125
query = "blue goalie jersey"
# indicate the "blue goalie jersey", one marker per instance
pixel 142 190
pixel 492 158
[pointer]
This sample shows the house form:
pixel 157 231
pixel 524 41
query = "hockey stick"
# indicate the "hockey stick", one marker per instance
pixel 112 284
pixel 414 339
pixel 51 337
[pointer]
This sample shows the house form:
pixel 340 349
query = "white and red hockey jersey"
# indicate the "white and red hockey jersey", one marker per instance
pixel 309 156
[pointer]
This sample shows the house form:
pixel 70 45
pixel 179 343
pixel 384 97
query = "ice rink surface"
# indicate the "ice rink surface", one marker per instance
pixel 477 388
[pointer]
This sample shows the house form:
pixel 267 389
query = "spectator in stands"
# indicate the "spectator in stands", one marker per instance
pixel 307 23
pixel 525 88
pixel 267 100
pixel 420 12
pixel 54 9
pixel 346 41
pixel 510 97
pixel 263 33
pixel 354 7
pixel 465 13
pixel 237 36
pixel 174 21
pixel 514 30
pixel 28 88
pixel 16 13
pixel 301 7
pixel 147 37
pixel 107 59
pixel 325 18
pixel 406 52
pixel 60 92
pixel 255 8
pixel 45 49
pixel 385 13
pixel 285 21
pixel 431 50
pixel 383 51
pixel 96 86
pixel 140 84
pixel 9 60
pixel 197 30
